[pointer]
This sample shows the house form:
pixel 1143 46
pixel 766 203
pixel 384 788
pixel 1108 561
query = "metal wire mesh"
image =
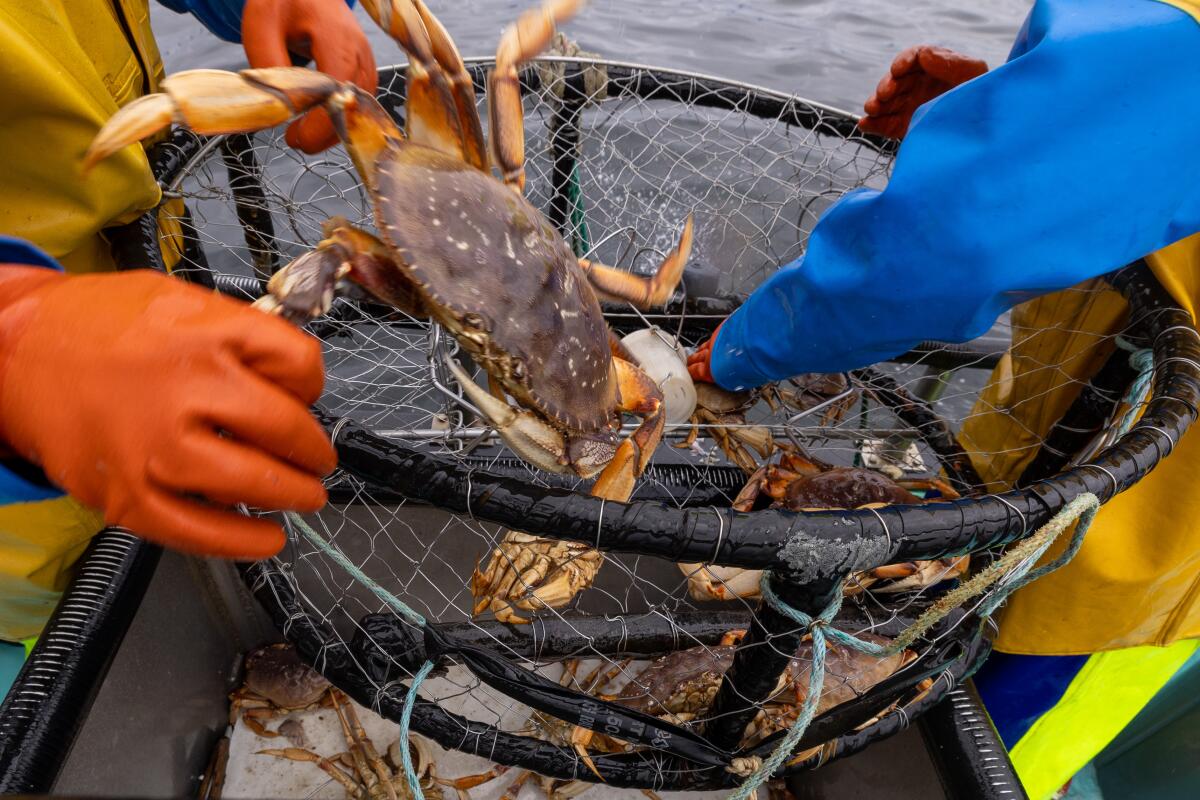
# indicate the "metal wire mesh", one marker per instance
pixel 756 181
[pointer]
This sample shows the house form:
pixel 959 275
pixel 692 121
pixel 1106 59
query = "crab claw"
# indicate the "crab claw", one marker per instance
pixel 210 101
pixel 525 434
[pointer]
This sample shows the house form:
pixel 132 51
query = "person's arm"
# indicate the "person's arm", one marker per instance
pixel 1074 158
pixel 273 31
pixel 156 402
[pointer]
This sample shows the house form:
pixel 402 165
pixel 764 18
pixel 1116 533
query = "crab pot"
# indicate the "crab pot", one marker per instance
pixel 665 656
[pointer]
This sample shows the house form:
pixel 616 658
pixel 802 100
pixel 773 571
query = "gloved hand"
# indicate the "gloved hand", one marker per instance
pixel 699 364
pixel 918 75
pixel 323 30
pixel 162 405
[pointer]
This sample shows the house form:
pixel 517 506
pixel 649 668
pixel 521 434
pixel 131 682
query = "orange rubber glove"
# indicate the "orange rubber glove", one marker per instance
pixel 323 30
pixel 918 75
pixel 699 363
pixel 162 405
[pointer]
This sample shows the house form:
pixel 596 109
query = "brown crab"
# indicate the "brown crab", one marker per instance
pixel 800 483
pixel 278 684
pixel 680 686
pixel 468 251
pixel 723 415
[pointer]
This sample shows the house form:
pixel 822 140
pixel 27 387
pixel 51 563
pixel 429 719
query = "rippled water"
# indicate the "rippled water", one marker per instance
pixel 833 51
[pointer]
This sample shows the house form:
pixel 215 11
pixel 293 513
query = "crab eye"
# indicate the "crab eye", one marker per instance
pixel 474 321
pixel 517 369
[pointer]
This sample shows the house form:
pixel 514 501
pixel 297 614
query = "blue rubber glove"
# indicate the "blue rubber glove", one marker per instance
pixel 1074 158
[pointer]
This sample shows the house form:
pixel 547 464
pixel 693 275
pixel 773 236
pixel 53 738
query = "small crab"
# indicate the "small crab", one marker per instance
pixel 723 415
pixel 800 483
pixel 277 685
pixel 460 247
pixel 831 392
pixel 680 686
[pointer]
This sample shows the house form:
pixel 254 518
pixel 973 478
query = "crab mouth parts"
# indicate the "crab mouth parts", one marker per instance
pixel 588 454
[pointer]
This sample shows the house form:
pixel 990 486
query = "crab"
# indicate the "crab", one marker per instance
pixel 466 250
pixel 723 415
pixel 278 684
pixel 800 483
pixel 680 686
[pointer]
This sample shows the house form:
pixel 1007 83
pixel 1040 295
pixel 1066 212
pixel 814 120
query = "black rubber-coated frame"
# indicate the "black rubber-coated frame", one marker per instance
pixel 809 552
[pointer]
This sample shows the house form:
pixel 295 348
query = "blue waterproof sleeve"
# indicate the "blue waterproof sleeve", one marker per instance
pixel 1074 158
pixel 22 483
pixel 222 17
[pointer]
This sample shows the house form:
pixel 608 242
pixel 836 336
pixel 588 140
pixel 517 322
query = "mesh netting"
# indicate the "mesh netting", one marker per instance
pixel 757 169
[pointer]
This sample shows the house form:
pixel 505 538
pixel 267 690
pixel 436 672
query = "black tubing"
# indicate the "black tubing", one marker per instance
pixel 971 760
pixel 50 699
pixel 821 543
pixel 374 684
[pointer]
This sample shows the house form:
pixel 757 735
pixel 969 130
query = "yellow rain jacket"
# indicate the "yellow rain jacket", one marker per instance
pixel 1136 580
pixel 66 66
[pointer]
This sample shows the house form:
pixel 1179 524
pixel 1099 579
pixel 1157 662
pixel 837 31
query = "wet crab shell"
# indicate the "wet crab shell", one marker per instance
pixel 686 681
pixel 493 271
pixel 277 674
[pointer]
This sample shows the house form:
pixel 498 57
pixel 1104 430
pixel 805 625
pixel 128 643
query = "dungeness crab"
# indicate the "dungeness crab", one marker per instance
pixel 800 483
pixel 460 247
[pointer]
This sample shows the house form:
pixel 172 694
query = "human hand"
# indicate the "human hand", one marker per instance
pixel 918 75
pixel 699 363
pixel 324 30
pixel 162 405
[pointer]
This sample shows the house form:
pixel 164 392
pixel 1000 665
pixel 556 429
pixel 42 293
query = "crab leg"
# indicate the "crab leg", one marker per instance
pixel 440 102
pixel 643 292
pixel 333 770
pixel 641 396
pixel 305 288
pixel 523 40
pixel 367 760
pixel 210 101
pixel 528 572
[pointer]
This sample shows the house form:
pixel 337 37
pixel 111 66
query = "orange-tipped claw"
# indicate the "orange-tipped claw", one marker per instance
pixel 210 101
pixel 141 118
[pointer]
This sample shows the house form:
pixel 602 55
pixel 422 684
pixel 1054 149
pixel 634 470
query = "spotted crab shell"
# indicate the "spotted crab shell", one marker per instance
pixel 497 275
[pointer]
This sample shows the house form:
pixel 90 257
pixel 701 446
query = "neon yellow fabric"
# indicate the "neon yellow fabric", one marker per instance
pixel 38 544
pixel 1103 698
pixel 1136 581
pixel 29 644
pixel 66 66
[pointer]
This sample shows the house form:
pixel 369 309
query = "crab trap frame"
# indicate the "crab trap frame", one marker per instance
pixel 617 155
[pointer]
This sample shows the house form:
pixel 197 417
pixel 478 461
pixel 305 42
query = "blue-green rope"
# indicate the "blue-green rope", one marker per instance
pixel 400 607
pixel 581 238
pixel 1017 563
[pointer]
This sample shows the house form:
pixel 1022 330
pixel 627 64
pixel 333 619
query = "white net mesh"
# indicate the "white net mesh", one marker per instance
pixel 757 185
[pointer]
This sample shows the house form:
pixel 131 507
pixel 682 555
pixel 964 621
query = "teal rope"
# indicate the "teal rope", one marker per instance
pixel 393 602
pixel 581 239
pixel 1083 508
pixel 1143 362
pixel 297 522
pixel 410 774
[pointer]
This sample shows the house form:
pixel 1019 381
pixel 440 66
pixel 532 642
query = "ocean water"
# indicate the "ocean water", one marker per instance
pixel 832 51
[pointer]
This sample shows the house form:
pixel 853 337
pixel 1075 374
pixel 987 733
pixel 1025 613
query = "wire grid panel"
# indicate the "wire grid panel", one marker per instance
pixel 756 185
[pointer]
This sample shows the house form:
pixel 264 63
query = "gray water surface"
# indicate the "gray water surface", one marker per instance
pixel 832 51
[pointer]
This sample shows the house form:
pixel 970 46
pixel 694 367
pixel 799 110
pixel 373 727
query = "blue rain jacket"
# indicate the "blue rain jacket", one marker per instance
pixel 1077 156
pixel 222 17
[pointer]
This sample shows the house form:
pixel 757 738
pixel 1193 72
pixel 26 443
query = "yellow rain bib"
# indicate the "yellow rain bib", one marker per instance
pixel 66 66
pixel 1136 580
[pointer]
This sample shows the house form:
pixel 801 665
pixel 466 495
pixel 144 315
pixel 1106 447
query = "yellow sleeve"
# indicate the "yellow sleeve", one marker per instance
pixel 66 68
